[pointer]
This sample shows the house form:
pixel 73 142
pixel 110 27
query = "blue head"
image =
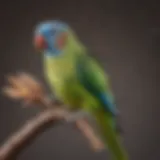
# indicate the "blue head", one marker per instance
pixel 51 37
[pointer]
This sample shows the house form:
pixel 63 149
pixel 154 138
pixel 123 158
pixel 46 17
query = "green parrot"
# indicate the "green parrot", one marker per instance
pixel 78 79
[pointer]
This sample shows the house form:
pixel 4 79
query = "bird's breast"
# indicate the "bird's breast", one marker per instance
pixel 59 71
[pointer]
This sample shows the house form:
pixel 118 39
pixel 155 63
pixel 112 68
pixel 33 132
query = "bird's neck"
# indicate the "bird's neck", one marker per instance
pixel 65 61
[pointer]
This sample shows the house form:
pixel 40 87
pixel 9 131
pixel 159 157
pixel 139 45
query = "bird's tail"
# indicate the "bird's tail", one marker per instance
pixel 110 136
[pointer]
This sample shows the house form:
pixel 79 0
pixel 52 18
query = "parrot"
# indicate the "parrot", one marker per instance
pixel 78 79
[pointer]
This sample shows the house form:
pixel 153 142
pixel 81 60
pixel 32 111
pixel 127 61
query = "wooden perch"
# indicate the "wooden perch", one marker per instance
pixel 24 87
pixel 18 141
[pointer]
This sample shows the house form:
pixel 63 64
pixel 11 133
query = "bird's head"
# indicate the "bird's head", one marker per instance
pixel 51 37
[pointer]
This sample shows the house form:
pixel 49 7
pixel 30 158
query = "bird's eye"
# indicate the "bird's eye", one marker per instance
pixel 40 42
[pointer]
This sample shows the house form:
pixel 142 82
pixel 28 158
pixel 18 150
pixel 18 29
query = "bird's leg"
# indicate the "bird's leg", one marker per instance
pixel 76 115
pixel 51 101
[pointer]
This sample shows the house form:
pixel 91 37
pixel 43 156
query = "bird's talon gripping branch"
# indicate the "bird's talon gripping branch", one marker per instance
pixel 76 116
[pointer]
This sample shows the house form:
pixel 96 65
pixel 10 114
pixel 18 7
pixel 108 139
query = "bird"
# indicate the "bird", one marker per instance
pixel 78 79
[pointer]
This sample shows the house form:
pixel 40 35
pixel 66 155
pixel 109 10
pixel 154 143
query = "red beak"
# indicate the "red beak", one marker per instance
pixel 39 42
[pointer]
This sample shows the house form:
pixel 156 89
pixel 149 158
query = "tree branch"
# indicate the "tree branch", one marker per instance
pixel 22 138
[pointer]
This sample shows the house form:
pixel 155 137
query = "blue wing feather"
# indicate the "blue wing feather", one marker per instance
pixel 83 73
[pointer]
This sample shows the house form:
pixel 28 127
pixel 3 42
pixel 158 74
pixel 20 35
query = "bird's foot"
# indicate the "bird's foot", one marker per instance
pixel 76 115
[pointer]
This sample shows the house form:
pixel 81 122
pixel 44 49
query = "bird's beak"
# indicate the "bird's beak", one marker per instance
pixel 39 42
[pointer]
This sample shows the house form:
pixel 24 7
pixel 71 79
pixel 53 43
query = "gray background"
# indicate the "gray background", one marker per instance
pixel 124 35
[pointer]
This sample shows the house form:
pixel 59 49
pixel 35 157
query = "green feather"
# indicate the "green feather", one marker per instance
pixel 110 137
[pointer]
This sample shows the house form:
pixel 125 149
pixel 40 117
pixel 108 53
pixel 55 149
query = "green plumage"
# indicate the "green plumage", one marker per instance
pixel 80 82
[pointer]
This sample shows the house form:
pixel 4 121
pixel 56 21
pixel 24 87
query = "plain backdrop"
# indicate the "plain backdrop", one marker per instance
pixel 125 35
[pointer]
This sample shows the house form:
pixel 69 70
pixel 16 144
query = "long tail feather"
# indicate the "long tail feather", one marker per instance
pixel 110 136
